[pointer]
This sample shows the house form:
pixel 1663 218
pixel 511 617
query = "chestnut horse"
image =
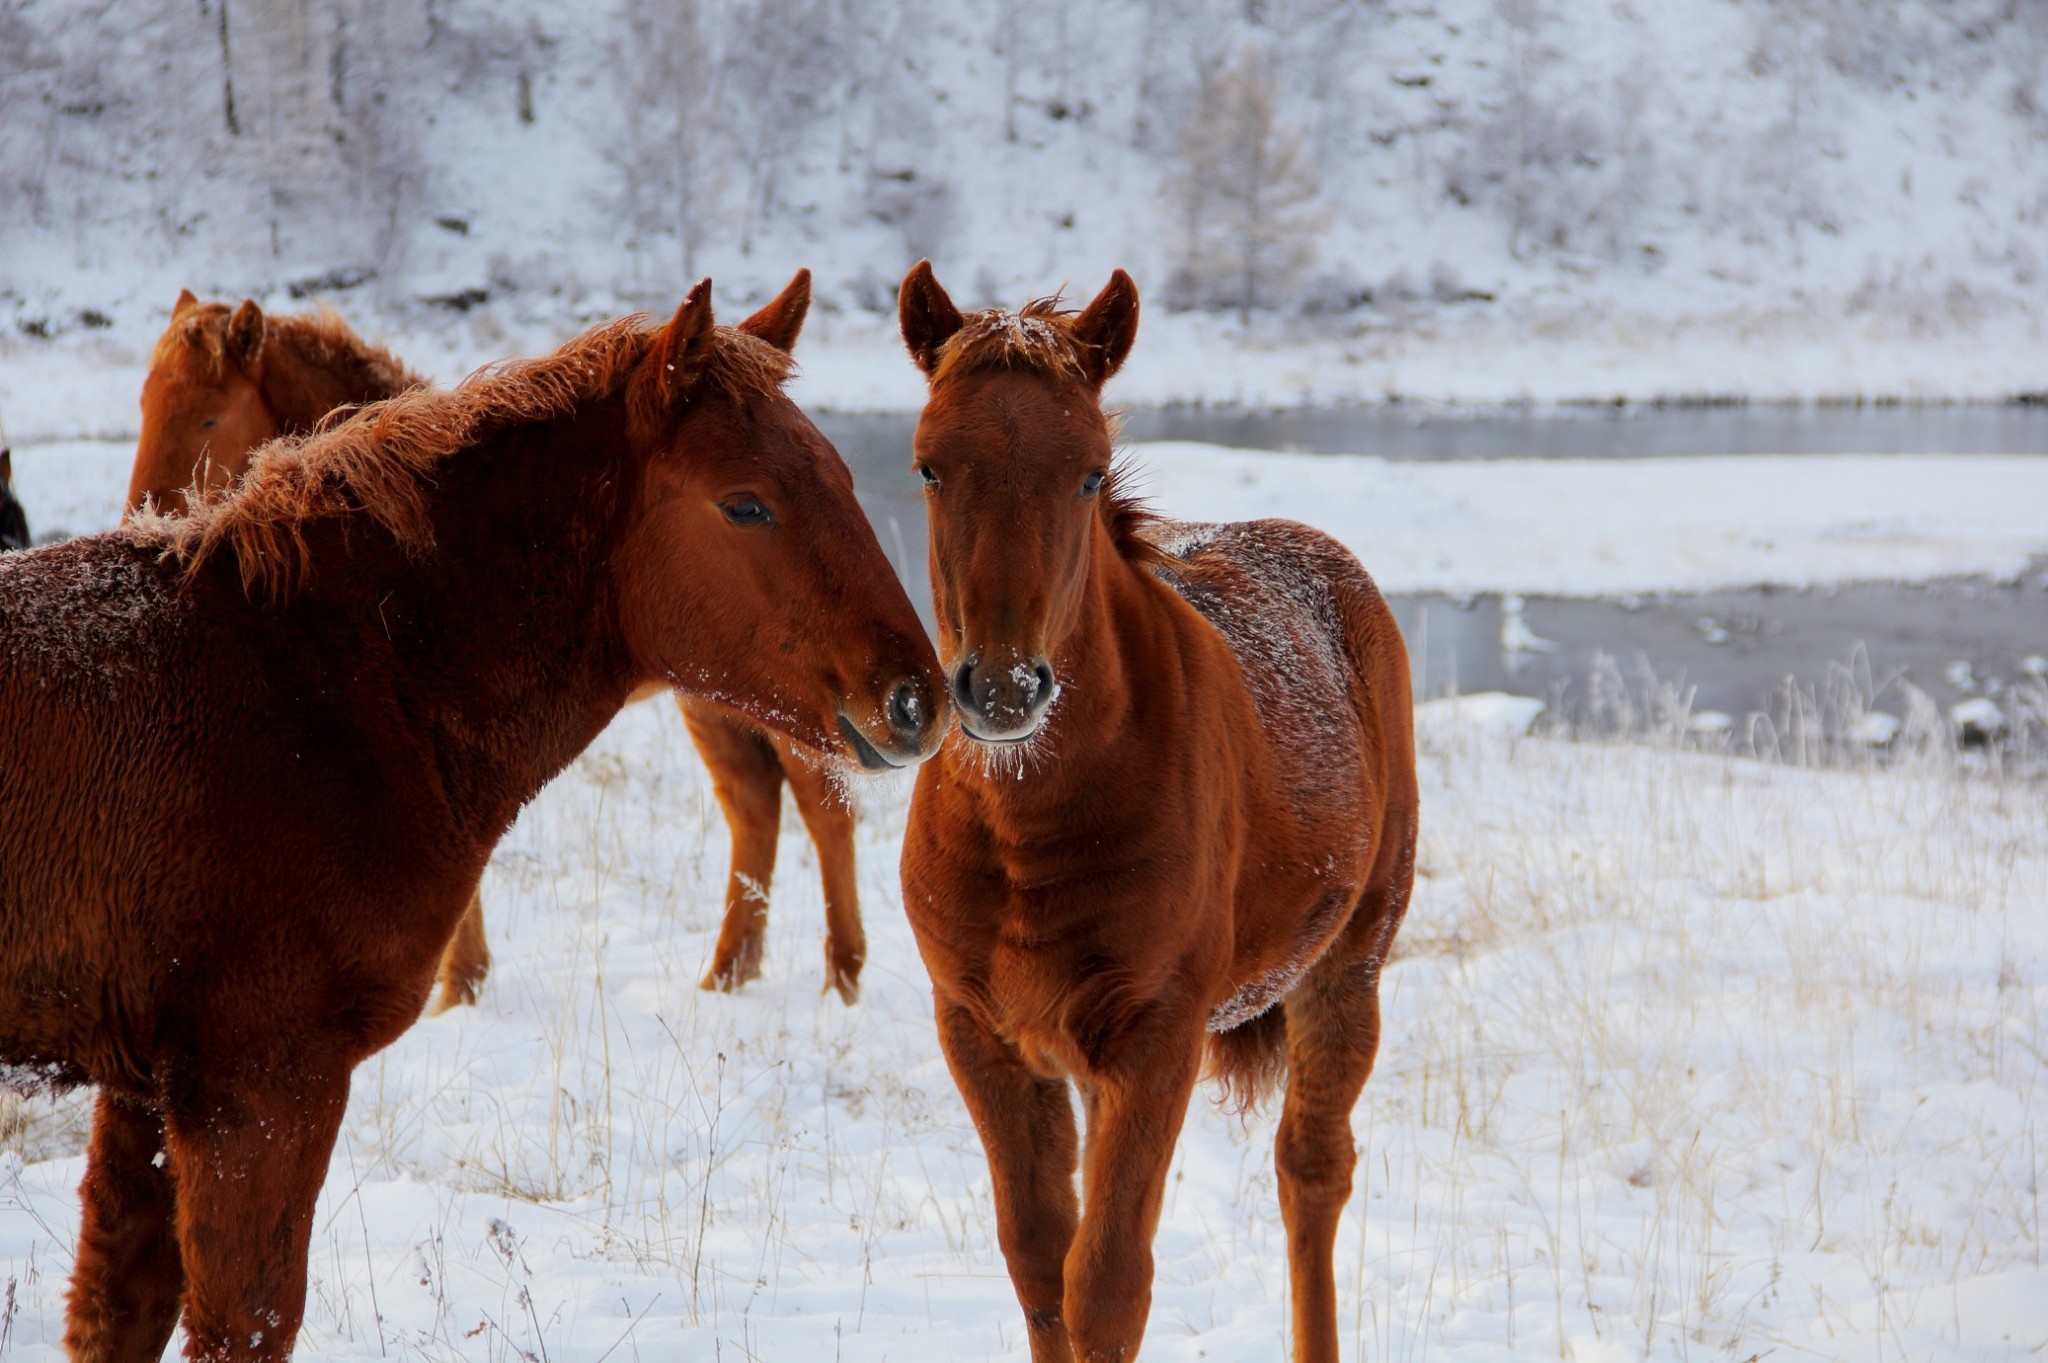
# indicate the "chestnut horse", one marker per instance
pixel 259 755
pixel 223 380
pixel 1177 818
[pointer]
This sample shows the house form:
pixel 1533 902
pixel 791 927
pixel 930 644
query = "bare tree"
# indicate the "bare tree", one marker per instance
pixel 667 154
pixel 1247 190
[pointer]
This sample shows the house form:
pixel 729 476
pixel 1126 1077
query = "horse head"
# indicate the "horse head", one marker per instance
pixel 1014 450
pixel 748 574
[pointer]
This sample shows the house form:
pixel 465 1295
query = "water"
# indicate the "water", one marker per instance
pixel 1734 650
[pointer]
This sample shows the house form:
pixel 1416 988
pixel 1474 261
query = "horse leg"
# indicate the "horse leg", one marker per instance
pixel 467 958
pixel 1333 1035
pixel 248 1167
pixel 1027 1128
pixel 128 1278
pixel 829 817
pixel 1135 1111
pixel 747 777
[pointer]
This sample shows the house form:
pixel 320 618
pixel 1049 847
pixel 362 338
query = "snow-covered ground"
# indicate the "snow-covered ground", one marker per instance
pixel 1604 527
pixel 1685 1057
pixel 1562 527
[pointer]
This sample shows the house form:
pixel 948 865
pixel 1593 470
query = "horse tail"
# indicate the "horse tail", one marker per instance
pixel 1249 1062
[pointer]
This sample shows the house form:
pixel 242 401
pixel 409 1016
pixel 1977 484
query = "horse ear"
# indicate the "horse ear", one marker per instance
pixel 779 322
pixel 6 465
pixel 245 335
pixel 185 300
pixel 926 315
pixel 683 348
pixel 1109 327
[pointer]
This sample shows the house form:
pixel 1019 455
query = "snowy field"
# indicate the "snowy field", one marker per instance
pixel 1562 527
pixel 1685 1057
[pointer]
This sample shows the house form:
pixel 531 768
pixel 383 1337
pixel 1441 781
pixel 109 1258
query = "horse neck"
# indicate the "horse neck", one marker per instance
pixel 503 642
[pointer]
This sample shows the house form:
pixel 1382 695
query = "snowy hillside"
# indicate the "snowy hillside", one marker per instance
pixel 1471 200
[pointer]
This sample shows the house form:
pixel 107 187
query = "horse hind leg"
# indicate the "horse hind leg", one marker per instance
pixel 1333 1036
pixel 466 959
pixel 829 817
pixel 746 775
pixel 129 1277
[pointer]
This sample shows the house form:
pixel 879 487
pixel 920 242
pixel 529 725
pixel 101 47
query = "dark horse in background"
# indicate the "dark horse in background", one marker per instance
pixel 13 520
pixel 223 379
pixel 1177 818
pixel 258 755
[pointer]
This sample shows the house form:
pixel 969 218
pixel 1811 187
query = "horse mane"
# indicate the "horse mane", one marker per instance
pixel 1040 337
pixel 320 342
pixel 380 461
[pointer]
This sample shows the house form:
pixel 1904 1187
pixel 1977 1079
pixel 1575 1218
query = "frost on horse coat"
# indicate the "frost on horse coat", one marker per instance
pixel 257 757
pixel 1176 821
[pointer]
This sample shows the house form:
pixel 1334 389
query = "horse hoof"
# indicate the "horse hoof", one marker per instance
pixel 848 986
pixel 457 994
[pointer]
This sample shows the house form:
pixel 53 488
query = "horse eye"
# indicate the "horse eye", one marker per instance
pixel 1092 484
pixel 924 471
pixel 745 509
pixel 209 423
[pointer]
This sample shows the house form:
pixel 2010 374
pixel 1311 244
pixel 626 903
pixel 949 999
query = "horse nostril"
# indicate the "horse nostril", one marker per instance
pixel 1043 695
pixel 963 683
pixel 906 710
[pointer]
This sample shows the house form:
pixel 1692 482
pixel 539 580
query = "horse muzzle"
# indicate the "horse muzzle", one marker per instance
pixel 915 726
pixel 1005 700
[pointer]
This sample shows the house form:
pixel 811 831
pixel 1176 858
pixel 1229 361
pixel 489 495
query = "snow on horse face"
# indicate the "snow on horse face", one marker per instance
pixel 1176 824
pixel 260 754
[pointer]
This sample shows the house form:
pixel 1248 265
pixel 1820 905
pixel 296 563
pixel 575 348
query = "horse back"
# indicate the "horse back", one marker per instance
pixel 1327 672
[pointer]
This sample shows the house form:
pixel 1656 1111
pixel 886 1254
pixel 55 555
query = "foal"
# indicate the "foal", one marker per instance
pixel 224 379
pixel 1177 816
pixel 258 755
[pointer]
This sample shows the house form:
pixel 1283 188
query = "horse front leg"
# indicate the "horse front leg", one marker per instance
pixel 829 818
pixel 125 1288
pixel 746 775
pixel 248 1162
pixel 1135 1111
pixel 1027 1129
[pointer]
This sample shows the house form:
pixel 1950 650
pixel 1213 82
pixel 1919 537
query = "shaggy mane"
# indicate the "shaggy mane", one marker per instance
pixel 320 341
pixel 380 461
pixel 1040 336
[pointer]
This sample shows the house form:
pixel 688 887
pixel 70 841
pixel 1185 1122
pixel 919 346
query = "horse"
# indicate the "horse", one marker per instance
pixel 224 379
pixel 13 520
pixel 1172 831
pixel 259 754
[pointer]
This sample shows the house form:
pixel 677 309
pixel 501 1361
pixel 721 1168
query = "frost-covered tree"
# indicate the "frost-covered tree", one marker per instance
pixel 1247 191
pixel 670 171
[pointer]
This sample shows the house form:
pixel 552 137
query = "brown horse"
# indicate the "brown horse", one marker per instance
pixel 259 755
pixel 223 379
pixel 1177 817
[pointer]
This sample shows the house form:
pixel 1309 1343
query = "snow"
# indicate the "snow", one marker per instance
pixel 1587 527
pixel 1560 527
pixel 1683 1055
